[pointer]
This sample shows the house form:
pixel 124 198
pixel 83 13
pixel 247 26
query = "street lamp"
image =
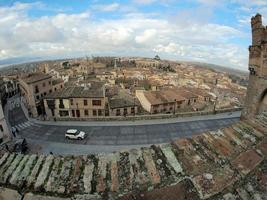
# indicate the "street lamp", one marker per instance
pixel 174 106
pixel 214 108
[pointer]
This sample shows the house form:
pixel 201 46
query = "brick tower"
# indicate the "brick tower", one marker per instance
pixel 256 99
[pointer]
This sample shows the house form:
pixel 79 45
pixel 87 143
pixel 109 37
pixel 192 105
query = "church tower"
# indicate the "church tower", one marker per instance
pixel 256 99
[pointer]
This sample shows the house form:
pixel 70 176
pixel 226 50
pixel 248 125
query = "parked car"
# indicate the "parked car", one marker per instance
pixel 75 134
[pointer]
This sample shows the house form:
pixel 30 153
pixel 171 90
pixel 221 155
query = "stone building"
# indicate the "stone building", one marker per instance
pixel 3 94
pixel 4 131
pixel 256 98
pixel 34 87
pixel 165 101
pixel 76 102
pixel 123 106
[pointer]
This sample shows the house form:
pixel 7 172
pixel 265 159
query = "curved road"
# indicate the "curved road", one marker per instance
pixel 115 134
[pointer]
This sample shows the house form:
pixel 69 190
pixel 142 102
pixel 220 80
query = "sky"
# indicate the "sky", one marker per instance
pixel 210 31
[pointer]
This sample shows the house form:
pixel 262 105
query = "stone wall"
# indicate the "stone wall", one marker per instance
pixel 257 87
pixel 151 117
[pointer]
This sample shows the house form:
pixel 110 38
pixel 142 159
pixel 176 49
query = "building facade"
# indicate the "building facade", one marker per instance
pixel 34 87
pixel 4 131
pixel 76 102
pixel 119 106
pixel 167 101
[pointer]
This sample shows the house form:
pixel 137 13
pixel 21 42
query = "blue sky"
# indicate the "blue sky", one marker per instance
pixel 198 30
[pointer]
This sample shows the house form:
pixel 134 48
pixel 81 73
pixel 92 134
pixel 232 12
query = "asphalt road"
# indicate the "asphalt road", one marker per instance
pixel 115 135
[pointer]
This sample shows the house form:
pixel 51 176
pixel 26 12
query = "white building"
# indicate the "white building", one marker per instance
pixel 4 131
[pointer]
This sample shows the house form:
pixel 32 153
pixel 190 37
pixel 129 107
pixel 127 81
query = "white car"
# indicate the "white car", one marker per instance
pixel 75 134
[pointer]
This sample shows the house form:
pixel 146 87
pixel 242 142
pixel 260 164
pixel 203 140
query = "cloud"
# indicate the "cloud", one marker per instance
pixel 106 7
pixel 133 34
pixel 146 36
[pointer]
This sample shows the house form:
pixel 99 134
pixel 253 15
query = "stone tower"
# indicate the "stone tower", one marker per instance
pixel 256 99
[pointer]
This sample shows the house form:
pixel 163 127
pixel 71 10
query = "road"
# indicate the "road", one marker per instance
pixel 109 137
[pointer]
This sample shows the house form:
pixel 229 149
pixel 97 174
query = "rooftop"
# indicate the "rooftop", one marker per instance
pixel 163 96
pixel 95 90
pixel 120 102
pixel 35 77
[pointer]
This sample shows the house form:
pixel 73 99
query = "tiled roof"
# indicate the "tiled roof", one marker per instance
pixel 163 96
pixel 35 77
pixel 121 103
pixel 78 92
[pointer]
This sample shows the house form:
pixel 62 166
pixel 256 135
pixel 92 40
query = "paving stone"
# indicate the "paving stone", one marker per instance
pixel 34 173
pixel 88 175
pixel 16 173
pixel 44 172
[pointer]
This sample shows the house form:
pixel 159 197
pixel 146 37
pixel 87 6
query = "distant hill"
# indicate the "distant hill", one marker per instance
pixel 220 68
pixel 17 60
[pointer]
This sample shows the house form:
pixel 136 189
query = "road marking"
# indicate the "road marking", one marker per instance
pixel 30 123
pixel 23 125
pixel 17 127
pixel 27 124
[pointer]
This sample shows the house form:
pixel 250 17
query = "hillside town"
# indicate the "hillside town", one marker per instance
pixel 109 86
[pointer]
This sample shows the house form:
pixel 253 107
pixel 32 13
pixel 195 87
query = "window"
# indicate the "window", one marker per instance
pixel 36 89
pixel 49 82
pixel 37 97
pixel 125 111
pixel 85 102
pixel 132 110
pixel 63 113
pixel 78 113
pixel 1 128
pixel 71 101
pixel 96 102
pixel 55 89
pixel 61 86
pixel 50 91
pixel 44 84
pixel 86 112
pixel 94 113
pixel 73 113
pixel 118 112
pixel 99 112
pixel 61 104
pixel 44 93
